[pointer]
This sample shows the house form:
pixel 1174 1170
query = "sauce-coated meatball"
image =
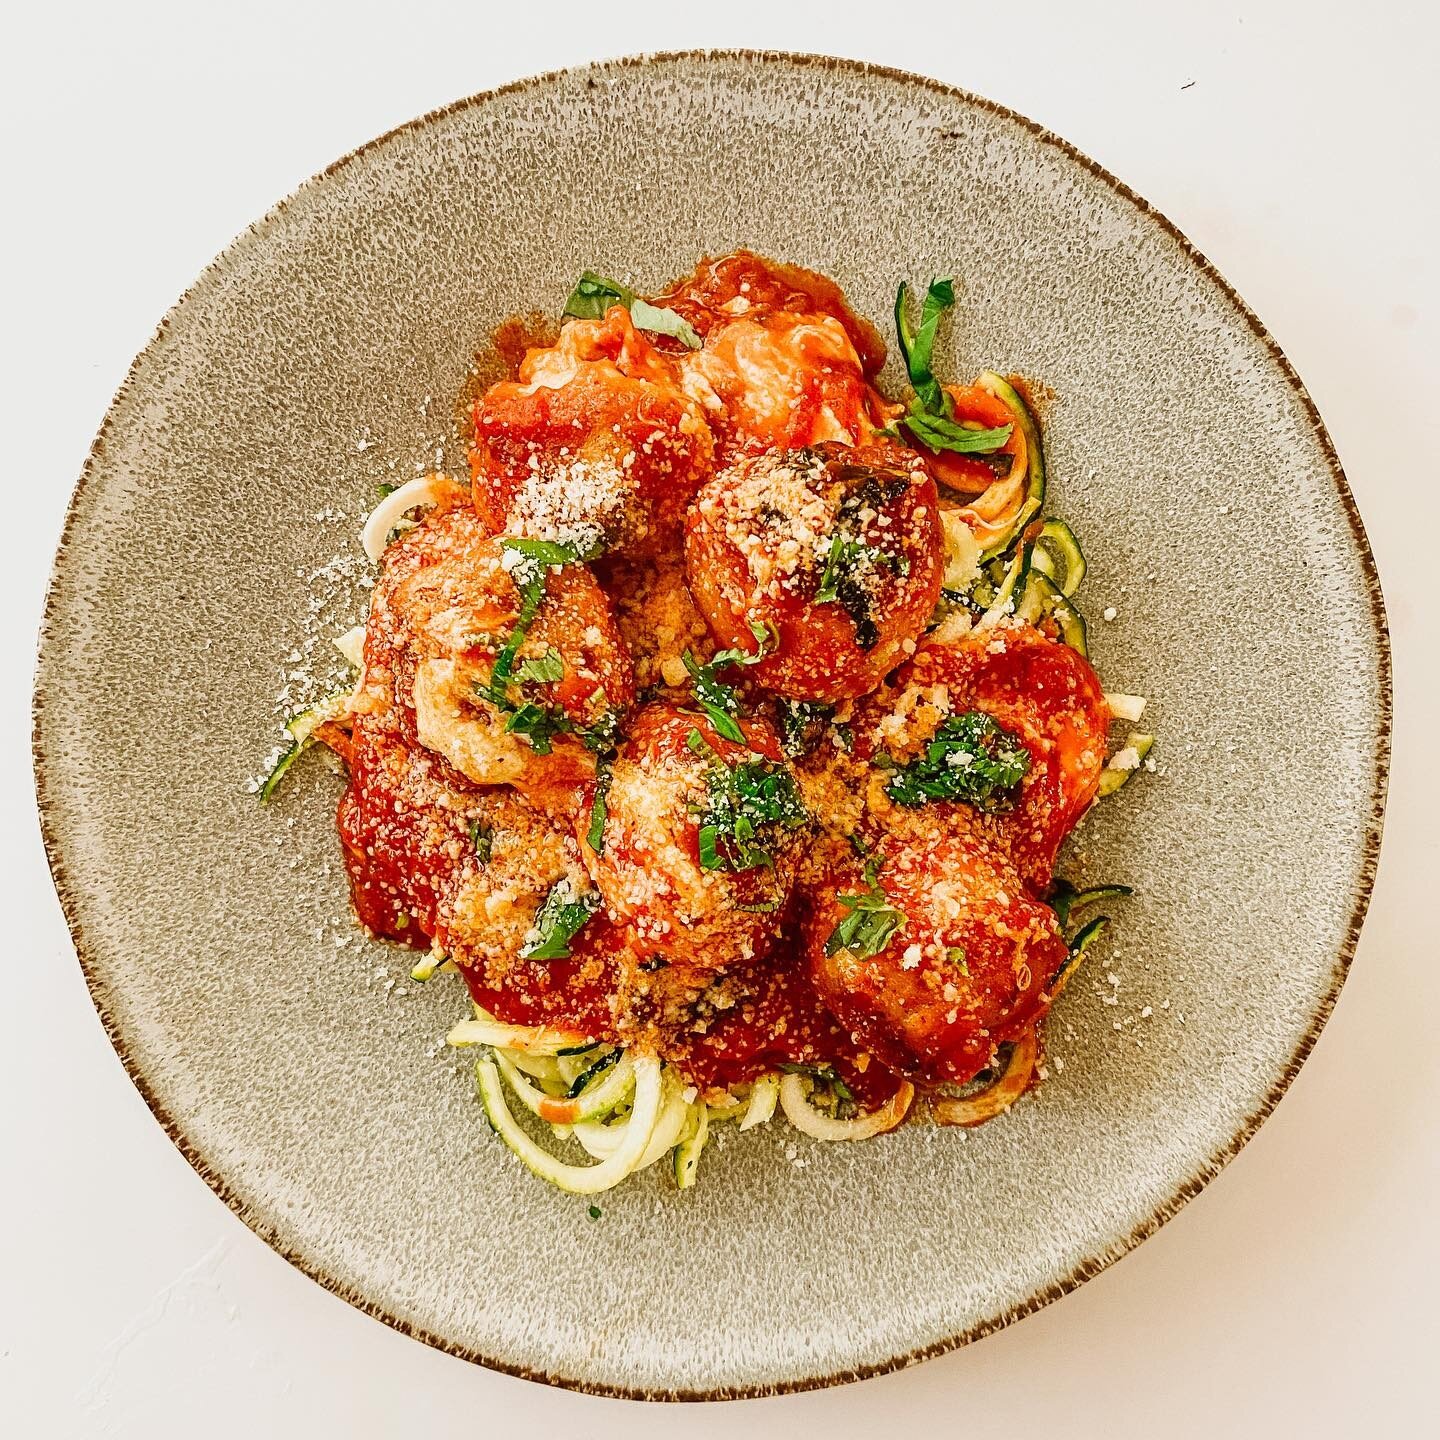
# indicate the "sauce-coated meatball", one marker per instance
pixel 835 552
pixel 448 607
pixel 944 958
pixel 1041 693
pixel 596 436
pixel 698 846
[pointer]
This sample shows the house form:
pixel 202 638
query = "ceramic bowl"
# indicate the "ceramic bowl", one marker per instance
pixel 211 552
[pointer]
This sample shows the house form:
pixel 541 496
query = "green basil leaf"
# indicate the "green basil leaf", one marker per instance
pixel 936 433
pixel 558 921
pixel 918 346
pixel 544 669
pixel 969 758
pixel 593 295
pixel 599 809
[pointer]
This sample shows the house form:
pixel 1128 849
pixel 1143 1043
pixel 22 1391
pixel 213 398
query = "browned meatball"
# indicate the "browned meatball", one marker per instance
pixel 938 956
pixel 835 553
pixel 699 840
pixel 449 618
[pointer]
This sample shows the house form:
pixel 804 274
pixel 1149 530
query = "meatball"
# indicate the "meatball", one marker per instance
pixel 1043 695
pixel 450 604
pixel 519 863
pixel 403 821
pixel 697 841
pixel 595 437
pixel 931 954
pixel 835 553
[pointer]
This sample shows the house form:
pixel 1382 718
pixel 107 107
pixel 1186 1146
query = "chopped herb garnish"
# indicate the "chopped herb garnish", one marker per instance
pixel 594 1212
pixel 534 559
pixel 718 700
pixel 593 295
pixel 603 735
pixel 970 758
pixel 599 808
pixel 544 669
pixel 482 840
pixel 955 954
pixel 385 488
pixel 742 802
pixel 872 920
pixel 538 725
pixel 851 563
pixel 558 921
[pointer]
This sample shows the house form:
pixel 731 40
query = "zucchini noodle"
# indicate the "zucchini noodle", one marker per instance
pixel 626 1110
pixel 425 490
pixel 995 1099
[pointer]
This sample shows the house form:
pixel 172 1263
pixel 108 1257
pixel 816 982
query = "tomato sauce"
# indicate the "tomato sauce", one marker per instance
pixel 408 820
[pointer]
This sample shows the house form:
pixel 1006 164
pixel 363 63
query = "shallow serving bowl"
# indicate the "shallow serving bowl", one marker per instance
pixel 211 552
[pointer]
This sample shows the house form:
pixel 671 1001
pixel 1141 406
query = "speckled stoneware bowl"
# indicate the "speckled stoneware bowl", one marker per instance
pixel 211 551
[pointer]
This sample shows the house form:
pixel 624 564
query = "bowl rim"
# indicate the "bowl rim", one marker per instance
pixel 67 891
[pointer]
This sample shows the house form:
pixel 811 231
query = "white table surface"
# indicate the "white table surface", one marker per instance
pixel 1295 144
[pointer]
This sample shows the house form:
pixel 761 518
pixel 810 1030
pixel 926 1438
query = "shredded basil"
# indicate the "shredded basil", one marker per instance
pixel 558 921
pixel 719 701
pixel 931 419
pixel 543 669
pixel 939 432
pixel 593 295
pixel 802 725
pixel 538 725
pixel 742 803
pixel 482 839
pixel 599 807
pixel 970 758
pixel 850 563
pixel 535 558
pixel 917 346
pixel 872 920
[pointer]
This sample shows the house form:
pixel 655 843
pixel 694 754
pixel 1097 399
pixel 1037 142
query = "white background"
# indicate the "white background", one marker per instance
pixel 1296 1293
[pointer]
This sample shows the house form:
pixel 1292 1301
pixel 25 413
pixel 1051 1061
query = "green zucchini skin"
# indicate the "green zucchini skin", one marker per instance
pixel 301 727
pixel 1057 555
pixel 1007 394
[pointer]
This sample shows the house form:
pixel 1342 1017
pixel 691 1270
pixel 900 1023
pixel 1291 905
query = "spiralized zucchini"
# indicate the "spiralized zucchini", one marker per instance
pixel 995 1099
pixel 627 1110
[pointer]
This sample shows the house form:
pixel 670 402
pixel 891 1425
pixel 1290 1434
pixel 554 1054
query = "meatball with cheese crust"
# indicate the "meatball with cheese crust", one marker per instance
pixel 936 717
pixel 834 553
pixel 696 842
pixel 931 954
pixel 596 437
pixel 511 664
